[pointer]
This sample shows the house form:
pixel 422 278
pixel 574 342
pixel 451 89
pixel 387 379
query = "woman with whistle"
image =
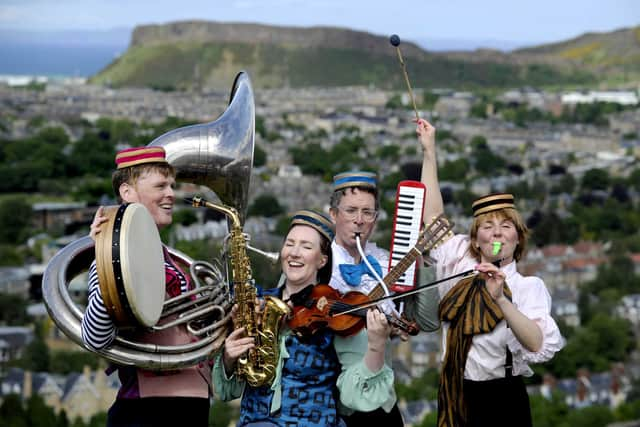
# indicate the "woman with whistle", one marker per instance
pixel 495 322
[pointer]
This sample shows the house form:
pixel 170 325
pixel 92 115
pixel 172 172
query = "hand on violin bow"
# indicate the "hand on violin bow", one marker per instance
pixel 494 279
pixel 378 329
pixel 96 225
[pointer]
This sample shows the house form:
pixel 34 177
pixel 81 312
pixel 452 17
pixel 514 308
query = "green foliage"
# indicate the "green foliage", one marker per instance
pixel 485 161
pixel 395 102
pixel 92 189
pixel 311 159
pixel 548 412
pixel 595 346
pixel 456 170
pixel 604 221
pixel 260 126
pixel 98 420
pixel 548 228
pixel 37 412
pixel 388 152
pixel 430 420
pixel 566 184
pixel 10 256
pixel 13 310
pixel 314 160
pixel 464 197
pixel 390 183
pixel 265 205
pixel 12 413
pixel 184 217
pixel 36 356
pixel 429 100
pixel 591 416
pixel 222 414
pixel 92 155
pixel 15 217
pixel 592 113
pixel 595 179
pixel 423 387
pixel 66 362
pixel 259 156
pixel 186 65
pixel 204 249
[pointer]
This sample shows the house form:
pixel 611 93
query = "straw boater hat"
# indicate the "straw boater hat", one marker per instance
pixel 140 155
pixel 321 222
pixel 492 202
pixel 354 179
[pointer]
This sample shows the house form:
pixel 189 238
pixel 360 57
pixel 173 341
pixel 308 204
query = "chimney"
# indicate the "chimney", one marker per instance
pixel 27 385
pixel 582 384
pixel 86 372
pixel 548 385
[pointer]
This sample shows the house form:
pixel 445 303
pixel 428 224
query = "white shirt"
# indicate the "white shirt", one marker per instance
pixel 486 358
pixel 367 282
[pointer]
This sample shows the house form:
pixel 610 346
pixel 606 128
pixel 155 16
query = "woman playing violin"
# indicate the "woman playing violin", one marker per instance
pixel 495 324
pixel 320 373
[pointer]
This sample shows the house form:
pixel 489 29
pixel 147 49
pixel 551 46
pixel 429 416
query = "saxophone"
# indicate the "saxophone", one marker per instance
pixel 258 367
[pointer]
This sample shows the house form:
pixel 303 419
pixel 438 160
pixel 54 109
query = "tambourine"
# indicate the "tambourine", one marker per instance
pixel 130 265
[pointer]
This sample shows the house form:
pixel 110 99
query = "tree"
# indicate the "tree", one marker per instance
pixel 15 217
pixel 485 161
pixel 388 152
pixel 548 412
pixel 595 179
pixel 13 310
pixel 12 413
pixel 38 413
pixel 259 156
pixel 221 414
pixel 456 170
pixel 36 356
pixel 591 416
pixel 66 362
pixel 265 205
pixel 10 256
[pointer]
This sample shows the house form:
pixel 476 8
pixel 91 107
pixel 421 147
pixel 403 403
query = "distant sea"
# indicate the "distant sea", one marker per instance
pixel 53 60
pixel 83 53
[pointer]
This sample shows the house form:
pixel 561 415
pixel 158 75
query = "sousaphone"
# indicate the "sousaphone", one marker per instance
pixel 218 155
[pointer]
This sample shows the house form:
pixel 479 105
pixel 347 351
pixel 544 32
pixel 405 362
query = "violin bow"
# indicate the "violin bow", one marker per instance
pixel 400 295
pixel 467 273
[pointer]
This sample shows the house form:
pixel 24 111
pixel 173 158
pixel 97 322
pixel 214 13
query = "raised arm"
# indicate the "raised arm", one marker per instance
pixel 433 201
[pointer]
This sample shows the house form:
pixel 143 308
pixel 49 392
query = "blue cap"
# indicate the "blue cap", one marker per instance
pixel 354 179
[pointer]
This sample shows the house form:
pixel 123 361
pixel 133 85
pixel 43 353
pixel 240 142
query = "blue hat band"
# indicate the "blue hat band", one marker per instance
pixel 317 224
pixel 355 180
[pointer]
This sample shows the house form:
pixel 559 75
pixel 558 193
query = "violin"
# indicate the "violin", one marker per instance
pixel 320 306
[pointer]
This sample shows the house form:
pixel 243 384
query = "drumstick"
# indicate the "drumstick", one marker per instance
pixel 395 41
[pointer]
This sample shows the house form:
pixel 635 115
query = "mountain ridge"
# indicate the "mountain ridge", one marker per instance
pixel 197 54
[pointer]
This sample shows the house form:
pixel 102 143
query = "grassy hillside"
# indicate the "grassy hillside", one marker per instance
pixel 614 56
pixel 210 64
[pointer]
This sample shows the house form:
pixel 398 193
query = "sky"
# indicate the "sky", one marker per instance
pixel 521 22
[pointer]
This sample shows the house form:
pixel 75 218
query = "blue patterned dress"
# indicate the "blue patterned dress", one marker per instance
pixel 308 385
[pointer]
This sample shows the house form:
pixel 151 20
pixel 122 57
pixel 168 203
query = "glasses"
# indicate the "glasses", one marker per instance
pixel 351 213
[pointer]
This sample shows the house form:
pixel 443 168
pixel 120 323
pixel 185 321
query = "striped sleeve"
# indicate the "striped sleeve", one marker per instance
pixel 98 330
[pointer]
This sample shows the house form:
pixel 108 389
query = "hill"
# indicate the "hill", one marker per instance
pixel 201 54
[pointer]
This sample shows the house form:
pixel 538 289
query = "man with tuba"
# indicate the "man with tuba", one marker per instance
pixel 146 397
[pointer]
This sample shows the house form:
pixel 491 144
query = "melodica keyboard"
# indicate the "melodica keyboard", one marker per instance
pixel 406 228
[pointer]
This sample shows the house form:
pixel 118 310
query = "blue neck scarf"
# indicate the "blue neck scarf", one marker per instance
pixel 352 273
